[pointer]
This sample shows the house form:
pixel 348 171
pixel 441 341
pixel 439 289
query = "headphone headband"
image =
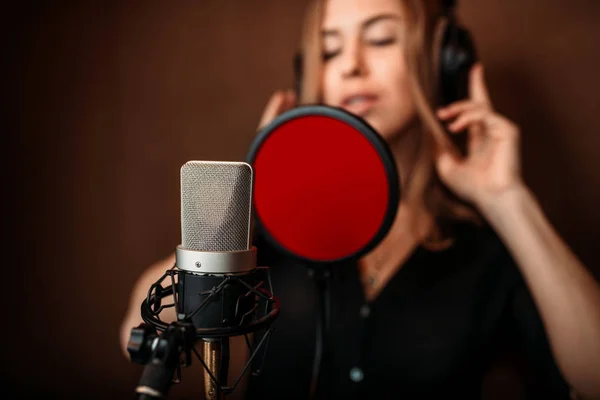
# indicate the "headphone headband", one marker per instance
pixel 448 5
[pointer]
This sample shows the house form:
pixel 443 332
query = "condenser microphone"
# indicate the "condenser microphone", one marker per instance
pixel 219 291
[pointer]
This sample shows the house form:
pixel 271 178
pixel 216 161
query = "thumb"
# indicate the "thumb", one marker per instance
pixel 446 163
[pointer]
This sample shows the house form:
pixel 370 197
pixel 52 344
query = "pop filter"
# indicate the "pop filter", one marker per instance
pixel 326 186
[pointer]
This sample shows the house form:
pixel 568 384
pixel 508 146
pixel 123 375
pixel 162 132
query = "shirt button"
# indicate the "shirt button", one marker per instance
pixel 365 311
pixel 356 374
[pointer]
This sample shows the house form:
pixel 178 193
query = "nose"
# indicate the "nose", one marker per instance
pixel 353 62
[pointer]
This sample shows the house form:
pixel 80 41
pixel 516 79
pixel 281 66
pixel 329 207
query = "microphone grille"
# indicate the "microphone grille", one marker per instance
pixel 216 206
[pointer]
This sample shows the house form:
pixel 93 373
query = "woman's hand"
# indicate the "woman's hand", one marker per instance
pixel 492 163
pixel 565 293
pixel 279 102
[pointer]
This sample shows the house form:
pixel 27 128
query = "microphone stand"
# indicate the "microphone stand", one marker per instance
pixel 216 360
pixel 158 372
pixel 162 354
pixel 322 279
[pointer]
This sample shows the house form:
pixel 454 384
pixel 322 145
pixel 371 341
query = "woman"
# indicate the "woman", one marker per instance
pixel 425 313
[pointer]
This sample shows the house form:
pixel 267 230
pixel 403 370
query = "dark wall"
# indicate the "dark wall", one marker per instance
pixel 104 101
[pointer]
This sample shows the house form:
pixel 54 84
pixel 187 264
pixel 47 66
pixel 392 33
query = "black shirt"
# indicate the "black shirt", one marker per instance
pixel 432 332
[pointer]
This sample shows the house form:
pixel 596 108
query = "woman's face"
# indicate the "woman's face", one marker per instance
pixel 364 67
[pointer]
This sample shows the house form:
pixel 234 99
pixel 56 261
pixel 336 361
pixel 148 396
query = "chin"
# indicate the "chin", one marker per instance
pixel 381 127
pixel 391 129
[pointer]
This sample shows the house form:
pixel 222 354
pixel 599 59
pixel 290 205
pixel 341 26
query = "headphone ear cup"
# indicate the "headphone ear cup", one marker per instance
pixel 455 57
pixel 438 44
pixel 298 62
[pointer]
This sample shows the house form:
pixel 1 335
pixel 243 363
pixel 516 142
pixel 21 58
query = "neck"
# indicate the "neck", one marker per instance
pixel 412 222
pixel 407 152
pixel 405 148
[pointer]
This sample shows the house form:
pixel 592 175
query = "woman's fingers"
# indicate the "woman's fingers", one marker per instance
pixel 467 119
pixel 279 102
pixel 452 110
pixel 478 91
pixel 291 99
pixel 271 109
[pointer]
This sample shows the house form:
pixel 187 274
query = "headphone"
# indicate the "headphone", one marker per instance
pixel 455 52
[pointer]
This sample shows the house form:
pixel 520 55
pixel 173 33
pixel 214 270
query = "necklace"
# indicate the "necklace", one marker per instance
pixel 372 281
pixel 372 277
pixel 379 266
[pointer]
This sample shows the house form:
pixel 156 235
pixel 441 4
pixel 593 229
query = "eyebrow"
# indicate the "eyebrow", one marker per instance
pixel 365 24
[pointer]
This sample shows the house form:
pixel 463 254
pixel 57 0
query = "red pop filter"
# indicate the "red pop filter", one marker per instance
pixel 326 188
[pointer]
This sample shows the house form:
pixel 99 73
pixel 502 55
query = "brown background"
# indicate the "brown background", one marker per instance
pixel 104 101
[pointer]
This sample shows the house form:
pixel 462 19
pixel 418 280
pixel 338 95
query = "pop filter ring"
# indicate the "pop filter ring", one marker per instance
pixel 374 139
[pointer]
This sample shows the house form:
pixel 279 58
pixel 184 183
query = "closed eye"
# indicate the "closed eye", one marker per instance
pixel 329 55
pixel 382 42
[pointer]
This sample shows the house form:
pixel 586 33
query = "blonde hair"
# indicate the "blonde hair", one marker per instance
pixel 424 25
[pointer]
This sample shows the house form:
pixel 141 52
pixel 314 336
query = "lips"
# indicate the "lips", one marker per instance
pixel 359 103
